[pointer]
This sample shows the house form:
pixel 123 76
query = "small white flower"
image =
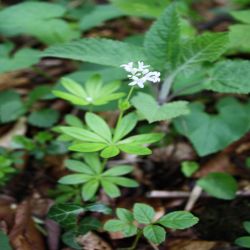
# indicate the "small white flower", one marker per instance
pixel 89 99
pixel 141 74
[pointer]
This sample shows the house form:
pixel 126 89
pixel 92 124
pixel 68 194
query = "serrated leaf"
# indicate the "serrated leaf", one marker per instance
pixel 95 50
pixel 122 181
pixel 124 215
pixel 44 118
pixel 143 213
pixel 219 185
pixel 178 220
pixel 144 138
pixel 210 133
pixel 207 47
pixel 144 102
pixel 162 41
pixel 230 76
pixel 98 125
pixel 154 234
pixel 128 229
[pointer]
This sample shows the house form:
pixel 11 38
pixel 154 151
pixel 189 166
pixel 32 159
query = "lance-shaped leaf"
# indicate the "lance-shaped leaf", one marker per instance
pixel 162 41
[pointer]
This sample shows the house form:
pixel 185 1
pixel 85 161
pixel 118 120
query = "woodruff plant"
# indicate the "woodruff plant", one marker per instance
pixel 98 142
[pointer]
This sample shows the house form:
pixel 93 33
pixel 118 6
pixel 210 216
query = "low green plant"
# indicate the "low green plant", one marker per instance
pixel 141 222
pixel 244 241
pixel 40 145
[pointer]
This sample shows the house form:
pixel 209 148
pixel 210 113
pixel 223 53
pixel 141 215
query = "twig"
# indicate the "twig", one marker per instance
pixel 194 196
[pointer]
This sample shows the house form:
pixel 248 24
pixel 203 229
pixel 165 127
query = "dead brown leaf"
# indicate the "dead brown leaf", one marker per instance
pixel 182 244
pixel 24 235
pixel 92 241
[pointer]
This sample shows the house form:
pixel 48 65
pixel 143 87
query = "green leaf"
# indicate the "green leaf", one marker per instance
pixel 95 50
pixel 87 147
pixel 145 8
pixel 210 133
pixel 135 149
pixel 44 118
pixel 230 76
pixel 4 241
pixel 144 138
pixel 22 59
pixel 110 151
pixel 118 170
pixel 82 134
pixel 178 220
pixel 219 185
pixel 154 234
pixel 124 215
pixel 98 16
pixel 246 225
pixel 144 102
pixel 89 189
pixel 73 87
pixel 125 126
pixel 239 35
pixel 243 241
pixel 42 20
pixel 207 47
pixel 75 179
pixel 73 121
pixel 128 229
pixel 88 224
pixel 65 214
pixel 110 189
pixel 98 207
pixel 78 166
pixel 143 213
pixel 93 161
pixel 69 239
pixel 122 181
pixel 242 15
pixel 188 168
pixel 98 125
pixel 162 41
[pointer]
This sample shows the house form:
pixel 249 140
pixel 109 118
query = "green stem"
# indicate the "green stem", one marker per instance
pixel 104 163
pixel 138 236
pixel 126 100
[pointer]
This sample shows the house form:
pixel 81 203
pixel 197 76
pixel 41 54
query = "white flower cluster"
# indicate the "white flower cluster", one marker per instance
pixel 141 74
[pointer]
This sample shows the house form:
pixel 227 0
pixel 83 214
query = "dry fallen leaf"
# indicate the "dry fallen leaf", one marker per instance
pixel 24 235
pixel 183 244
pixel 92 241
pixel 19 128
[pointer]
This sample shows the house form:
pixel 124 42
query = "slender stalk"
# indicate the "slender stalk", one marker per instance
pixel 137 238
pixel 165 89
pixel 126 100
